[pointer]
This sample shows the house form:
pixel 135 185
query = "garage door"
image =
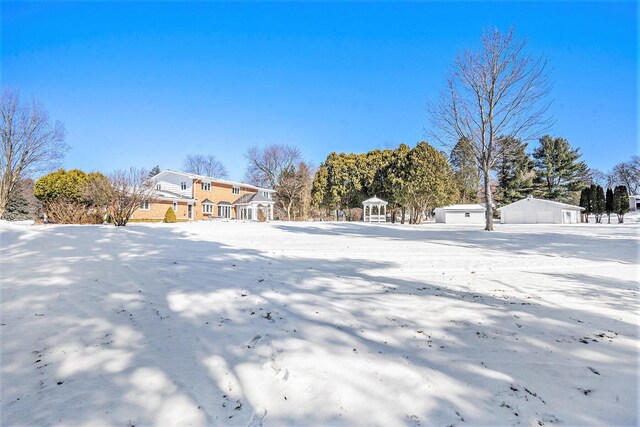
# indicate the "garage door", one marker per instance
pixel 545 218
pixel 514 217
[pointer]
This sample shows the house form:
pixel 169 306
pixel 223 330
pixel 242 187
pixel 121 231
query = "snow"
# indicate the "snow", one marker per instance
pixel 230 323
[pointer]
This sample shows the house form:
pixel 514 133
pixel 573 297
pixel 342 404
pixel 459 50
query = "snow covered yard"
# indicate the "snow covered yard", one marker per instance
pixel 319 323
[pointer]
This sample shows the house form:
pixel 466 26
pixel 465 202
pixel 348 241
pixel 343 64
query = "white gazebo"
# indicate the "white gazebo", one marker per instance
pixel 374 210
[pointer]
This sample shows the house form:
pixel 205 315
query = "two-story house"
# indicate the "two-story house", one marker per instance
pixel 196 197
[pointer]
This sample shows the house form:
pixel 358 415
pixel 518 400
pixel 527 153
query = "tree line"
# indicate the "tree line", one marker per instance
pixel 496 98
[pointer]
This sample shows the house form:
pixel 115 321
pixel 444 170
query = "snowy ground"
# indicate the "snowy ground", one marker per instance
pixel 319 323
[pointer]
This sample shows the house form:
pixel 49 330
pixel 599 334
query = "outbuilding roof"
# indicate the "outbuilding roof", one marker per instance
pixel 551 202
pixel 464 207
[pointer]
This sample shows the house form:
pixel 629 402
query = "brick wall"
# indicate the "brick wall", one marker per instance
pixel 158 208
pixel 219 193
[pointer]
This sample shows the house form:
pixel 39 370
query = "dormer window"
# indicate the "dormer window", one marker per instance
pixel 236 190
pixel 266 194
pixel 158 186
pixel 183 185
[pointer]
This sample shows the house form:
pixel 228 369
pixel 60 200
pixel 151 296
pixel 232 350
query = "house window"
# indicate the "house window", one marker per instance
pixel 236 190
pixel 207 208
pixel 206 186
pixel 266 194
pixel 144 206
pixel 158 186
pixel 224 211
pixel 175 206
pixel 183 185
pixel 467 215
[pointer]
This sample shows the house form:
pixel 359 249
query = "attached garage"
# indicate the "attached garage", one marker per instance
pixel 461 214
pixel 539 211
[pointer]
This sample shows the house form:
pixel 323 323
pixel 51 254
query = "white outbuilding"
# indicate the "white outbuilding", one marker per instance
pixel 539 211
pixel 461 214
pixel 634 202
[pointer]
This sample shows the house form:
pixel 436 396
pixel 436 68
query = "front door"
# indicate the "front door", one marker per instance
pixel 190 211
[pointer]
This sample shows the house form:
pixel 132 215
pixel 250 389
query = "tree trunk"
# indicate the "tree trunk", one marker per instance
pixel 402 215
pixel 487 198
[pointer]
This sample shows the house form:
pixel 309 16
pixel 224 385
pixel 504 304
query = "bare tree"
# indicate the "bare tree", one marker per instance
pixel 129 189
pixel 627 174
pixel 207 165
pixel 281 167
pixel 267 165
pixel 496 90
pixel 294 188
pixel 31 143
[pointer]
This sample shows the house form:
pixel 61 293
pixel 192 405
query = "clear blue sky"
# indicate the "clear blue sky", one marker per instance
pixel 147 83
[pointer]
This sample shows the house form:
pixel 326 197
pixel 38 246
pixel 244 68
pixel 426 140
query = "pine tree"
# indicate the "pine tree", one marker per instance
pixel 559 171
pixel 608 205
pixel 18 207
pixel 515 172
pixel 599 204
pixel 465 170
pixel 154 171
pixel 620 202
pixel 585 203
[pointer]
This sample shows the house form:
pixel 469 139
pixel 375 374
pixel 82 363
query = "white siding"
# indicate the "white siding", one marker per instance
pixel 172 182
pixel 537 211
pixel 459 217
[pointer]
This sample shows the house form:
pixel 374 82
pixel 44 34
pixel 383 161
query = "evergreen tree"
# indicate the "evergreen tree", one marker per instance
pixel 154 171
pixel 18 207
pixel 585 202
pixel 599 204
pixel 430 180
pixel 608 205
pixel 515 172
pixel 465 171
pixel 620 202
pixel 559 169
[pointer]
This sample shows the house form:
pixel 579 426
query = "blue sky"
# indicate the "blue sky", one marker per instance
pixel 146 83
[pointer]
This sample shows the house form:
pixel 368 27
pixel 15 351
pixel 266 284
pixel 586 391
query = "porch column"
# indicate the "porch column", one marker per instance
pixel 270 212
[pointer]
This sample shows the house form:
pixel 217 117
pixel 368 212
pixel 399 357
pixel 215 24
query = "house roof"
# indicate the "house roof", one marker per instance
pixel 211 179
pixel 252 198
pixel 170 195
pixel 207 201
pixel 551 202
pixel 464 207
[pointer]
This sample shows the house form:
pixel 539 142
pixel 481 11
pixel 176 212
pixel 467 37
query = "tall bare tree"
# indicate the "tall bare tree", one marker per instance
pixel 498 89
pixel 281 167
pixel 129 189
pixel 31 143
pixel 266 165
pixel 207 165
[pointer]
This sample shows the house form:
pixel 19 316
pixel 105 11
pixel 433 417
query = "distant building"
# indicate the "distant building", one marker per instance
pixel 196 197
pixel 634 202
pixel 539 211
pixel 461 214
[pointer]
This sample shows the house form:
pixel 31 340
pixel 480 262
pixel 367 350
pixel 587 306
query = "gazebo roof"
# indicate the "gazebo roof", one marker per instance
pixel 374 201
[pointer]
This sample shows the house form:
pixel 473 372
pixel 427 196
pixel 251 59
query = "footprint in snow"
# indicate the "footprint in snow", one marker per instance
pixel 258 416
pixel 253 341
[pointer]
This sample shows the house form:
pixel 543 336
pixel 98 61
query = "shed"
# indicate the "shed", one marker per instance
pixel 539 211
pixel 461 214
pixel 634 202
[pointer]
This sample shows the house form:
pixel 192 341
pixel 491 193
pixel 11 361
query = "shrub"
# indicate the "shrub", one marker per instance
pixel 73 197
pixel 170 216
